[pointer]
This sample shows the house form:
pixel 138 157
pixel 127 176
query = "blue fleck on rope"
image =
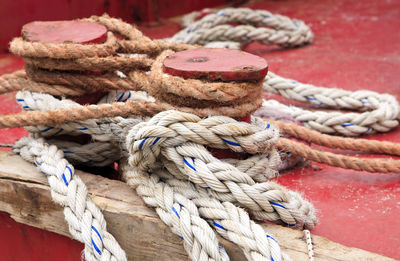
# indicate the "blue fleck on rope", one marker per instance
pixel 231 142
pixel 142 143
pixel 70 174
pixel 120 97
pixel 219 226
pixel 47 129
pixel 176 212
pixel 155 141
pixel 277 204
pixel 97 232
pixel 65 180
pixel 188 164
pixel 58 132
pixel 268 236
pixel 95 247
pixel 347 124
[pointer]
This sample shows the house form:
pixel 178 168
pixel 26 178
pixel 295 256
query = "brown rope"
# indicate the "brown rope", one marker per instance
pixel 54 117
pixel 123 63
pixel 24 48
pixel 18 81
pixel 341 161
pixel 199 93
pixel 88 82
pixel 230 99
pixel 353 144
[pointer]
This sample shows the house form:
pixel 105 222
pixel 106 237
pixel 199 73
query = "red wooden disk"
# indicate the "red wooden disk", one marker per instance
pixel 216 64
pixel 64 32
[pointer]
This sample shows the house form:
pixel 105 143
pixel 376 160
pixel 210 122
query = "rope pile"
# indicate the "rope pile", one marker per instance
pixel 162 151
pixel 380 112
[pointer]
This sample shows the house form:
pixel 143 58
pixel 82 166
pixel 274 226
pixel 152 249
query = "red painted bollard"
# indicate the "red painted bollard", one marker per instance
pixel 64 32
pixel 216 64
pixel 80 32
pixel 220 65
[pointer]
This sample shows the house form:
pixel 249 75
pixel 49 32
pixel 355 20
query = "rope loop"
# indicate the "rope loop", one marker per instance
pixel 161 128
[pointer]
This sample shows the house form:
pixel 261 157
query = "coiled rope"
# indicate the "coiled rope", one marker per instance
pixel 159 154
pixel 380 112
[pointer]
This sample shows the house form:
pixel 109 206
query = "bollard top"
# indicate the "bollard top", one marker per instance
pixel 64 32
pixel 216 64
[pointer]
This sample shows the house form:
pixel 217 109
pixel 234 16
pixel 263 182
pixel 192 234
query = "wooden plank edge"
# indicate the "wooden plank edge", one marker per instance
pixel 25 195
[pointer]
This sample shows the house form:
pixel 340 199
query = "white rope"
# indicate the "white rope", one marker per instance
pixel 185 128
pixel 255 25
pixel 307 236
pixel 106 129
pixel 216 132
pixel 85 220
pixel 379 112
pixel 179 139
pixel 229 221
pixel 160 154
pixel 96 153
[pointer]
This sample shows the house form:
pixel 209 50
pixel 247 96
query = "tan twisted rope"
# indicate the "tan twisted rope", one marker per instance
pixel 148 108
pixel 18 80
pixel 101 57
pixel 198 93
pixel 113 110
pixel 122 63
pixel 89 82
pixel 337 160
pixel 316 137
pixel 23 48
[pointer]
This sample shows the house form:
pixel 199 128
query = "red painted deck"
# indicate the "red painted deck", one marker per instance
pixel 356 47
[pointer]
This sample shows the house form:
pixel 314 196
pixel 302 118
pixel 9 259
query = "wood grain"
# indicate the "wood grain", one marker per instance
pixel 25 194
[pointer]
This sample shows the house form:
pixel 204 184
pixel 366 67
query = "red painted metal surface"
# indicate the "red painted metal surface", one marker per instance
pixel 355 47
pixel 216 64
pixel 23 242
pixel 64 31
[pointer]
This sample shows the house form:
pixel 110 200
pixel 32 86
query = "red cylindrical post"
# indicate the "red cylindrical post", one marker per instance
pixel 80 32
pixel 221 65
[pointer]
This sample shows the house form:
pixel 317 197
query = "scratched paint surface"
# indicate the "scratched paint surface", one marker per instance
pixel 356 47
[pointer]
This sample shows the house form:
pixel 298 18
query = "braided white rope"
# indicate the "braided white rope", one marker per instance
pixel 200 244
pixel 307 235
pixel 229 221
pixel 380 112
pixel 179 139
pixel 178 212
pixel 256 25
pixel 260 168
pixel 97 153
pixel 106 129
pixel 214 132
pixel 85 220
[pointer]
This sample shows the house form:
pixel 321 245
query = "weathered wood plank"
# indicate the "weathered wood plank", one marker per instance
pixel 24 193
